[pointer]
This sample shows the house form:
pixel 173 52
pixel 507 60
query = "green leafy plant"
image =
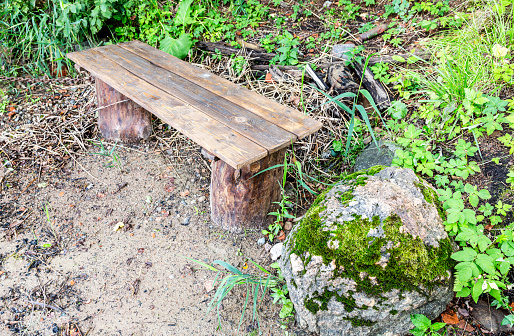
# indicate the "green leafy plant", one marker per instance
pixel 287 53
pixel 508 141
pixel 180 46
pixel 381 72
pixel 423 326
pixel 280 295
pixel 397 110
pixel 281 213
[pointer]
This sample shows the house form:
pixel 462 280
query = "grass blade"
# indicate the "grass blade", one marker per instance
pixel 212 268
pixel 228 267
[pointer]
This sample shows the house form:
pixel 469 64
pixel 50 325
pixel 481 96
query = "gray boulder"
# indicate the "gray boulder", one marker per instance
pixel 370 251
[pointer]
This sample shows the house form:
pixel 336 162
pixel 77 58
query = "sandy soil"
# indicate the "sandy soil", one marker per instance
pixel 130 281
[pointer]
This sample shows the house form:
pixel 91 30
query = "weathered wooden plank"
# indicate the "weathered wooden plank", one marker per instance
pixel 230 146
pixel 241 120
pixel 283 116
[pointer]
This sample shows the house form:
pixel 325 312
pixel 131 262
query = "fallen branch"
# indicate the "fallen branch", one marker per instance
pixel 226 50
pixel 372 61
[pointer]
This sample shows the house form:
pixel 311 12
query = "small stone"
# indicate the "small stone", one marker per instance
pixel 261 241
pixel 186 220
pixel 209 285
pixel 267 247
pixel 201 199
pixel 339 50
pixel 288 226
pixel 276 251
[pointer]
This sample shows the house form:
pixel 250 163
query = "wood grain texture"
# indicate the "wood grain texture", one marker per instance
pixel 240 202
pixel 119 118
pixel 230 146
pixel 280 115
pixel 252 126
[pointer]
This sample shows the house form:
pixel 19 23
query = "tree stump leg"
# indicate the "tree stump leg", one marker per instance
pixel 125 121
pixel 240 202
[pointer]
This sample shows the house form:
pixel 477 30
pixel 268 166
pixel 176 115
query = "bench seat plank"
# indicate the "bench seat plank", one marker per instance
pixel 227 144
pixel 291 120
pixel 248 124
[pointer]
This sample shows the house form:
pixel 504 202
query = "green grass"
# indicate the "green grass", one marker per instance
pixel 464 58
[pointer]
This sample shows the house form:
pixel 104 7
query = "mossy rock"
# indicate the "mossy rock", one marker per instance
pixel 370 251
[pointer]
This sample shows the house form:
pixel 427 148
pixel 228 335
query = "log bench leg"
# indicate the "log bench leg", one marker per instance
pixel 240 202
pixel 126 121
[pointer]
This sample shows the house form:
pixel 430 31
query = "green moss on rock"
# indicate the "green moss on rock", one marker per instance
pixel 431 196
pixel 411 265
pixel 358 322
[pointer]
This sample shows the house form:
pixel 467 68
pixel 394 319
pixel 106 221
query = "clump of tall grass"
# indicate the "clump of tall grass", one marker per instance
pixel 36 35
pixel 463 58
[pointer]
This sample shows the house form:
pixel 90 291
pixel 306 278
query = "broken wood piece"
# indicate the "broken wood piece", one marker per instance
pixel 242 200
pixel 373 32
pixel 248 45
pixel 375 88
pixel 319 82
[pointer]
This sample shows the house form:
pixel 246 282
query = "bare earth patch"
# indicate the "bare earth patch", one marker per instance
pixel 74 274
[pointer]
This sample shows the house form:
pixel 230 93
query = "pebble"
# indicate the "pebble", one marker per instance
pixel 267 247
pixel 261 241
pixel 276 251
pixel 288 226
pixel 186 220
pixel 201 199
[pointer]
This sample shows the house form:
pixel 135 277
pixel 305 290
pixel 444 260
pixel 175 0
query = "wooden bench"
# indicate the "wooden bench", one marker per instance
pixel 245 130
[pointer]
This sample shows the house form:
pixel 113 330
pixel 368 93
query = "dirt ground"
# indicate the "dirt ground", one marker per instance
pixel 68 271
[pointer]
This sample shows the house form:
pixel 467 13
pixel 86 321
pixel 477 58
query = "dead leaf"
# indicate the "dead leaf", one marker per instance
pixel 464 325
pixel 281 235
pixel 72 283
pixel 268 78
pixel 450 318
pixel 61 194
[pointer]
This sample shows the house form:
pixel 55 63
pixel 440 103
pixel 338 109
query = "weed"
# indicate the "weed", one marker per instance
pixel 254 285
pixel 49 220
pixel 111 154
pixel 423 326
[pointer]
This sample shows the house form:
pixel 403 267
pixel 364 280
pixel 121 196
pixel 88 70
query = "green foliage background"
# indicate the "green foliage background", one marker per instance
pixel 35 35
